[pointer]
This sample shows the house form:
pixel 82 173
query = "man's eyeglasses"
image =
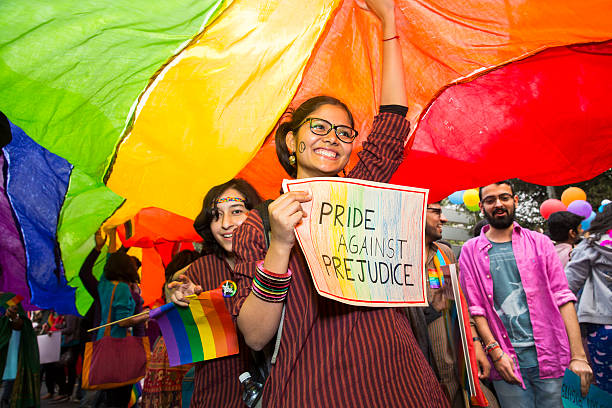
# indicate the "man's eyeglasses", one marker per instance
pixel 437 211
pixel 504 198
pixel 322 127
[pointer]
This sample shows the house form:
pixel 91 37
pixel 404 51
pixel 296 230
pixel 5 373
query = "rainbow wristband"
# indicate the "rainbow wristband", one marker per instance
pixel 269 286
pixel 491 346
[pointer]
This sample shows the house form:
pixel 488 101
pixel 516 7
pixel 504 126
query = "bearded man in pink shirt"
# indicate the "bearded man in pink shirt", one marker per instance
pixel 523 309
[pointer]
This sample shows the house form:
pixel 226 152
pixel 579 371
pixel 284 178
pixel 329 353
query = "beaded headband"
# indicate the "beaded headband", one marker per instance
pixel 230 199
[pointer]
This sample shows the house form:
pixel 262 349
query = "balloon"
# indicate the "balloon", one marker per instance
pixel 586 224
pixel 550 206
pixel 580 207
pixel 470 197
pixel 474 207
pixel 605 202
pixel 456 197
pixel 572 194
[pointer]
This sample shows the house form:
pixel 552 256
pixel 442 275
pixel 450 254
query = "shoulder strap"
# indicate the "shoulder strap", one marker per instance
pixel 110 309
pixel 262 208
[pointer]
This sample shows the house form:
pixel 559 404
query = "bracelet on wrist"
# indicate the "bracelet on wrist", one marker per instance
pixel 584 360
pixel 391 38
pixel 492 345
pixel 269 286
pixel 476 338
pixel 499 358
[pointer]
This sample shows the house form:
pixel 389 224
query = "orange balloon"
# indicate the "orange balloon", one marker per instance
pixel 572 194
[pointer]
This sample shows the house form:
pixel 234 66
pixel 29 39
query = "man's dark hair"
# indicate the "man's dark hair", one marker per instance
pixel 507 182
pixel 561 223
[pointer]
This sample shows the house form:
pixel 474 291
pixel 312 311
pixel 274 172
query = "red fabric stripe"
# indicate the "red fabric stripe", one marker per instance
pixel 229 341
pixel 551 127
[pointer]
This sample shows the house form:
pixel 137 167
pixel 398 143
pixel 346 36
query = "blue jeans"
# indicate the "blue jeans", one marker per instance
pixel 541 393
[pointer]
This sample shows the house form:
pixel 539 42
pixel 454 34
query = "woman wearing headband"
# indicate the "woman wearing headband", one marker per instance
pixel 224 209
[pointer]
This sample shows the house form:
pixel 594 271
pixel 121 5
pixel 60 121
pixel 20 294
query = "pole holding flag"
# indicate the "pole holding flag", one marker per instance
pixel 204 330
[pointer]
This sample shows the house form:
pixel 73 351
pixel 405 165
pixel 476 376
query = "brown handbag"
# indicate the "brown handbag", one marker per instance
pixel 113 362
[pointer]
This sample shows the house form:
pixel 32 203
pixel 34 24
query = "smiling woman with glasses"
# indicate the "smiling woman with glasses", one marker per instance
pixel 322 127
pixel 330 353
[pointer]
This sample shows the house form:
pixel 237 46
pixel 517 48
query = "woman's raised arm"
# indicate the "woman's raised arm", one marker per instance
pixel 393 88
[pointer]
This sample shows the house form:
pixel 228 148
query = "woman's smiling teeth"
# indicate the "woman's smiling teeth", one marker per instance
pixel 326 153
pixel 227 236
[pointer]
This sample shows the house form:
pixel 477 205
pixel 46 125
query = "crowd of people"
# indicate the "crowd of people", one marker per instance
pixel 521 286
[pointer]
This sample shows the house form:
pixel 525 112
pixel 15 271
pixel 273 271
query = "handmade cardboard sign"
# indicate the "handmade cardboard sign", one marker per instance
pixel 364 241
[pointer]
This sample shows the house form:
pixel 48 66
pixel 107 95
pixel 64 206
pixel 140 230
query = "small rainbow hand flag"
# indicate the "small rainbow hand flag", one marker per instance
pixel 202 331
pixel 9 299
pixel 135 395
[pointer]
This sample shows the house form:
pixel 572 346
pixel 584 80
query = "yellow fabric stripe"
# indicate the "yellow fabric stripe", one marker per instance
pixel 210 109
pixel 206 335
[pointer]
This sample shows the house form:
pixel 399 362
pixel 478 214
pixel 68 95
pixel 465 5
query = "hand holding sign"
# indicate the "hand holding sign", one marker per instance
pixel 363 241
pixel 285 214
pixel 583 370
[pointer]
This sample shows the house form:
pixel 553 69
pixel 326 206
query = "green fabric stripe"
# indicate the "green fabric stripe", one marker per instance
pixel 71 70
pixel 87 205
pixel 197 353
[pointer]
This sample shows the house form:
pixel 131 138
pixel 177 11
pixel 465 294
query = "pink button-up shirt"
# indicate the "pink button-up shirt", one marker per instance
pixel 546 289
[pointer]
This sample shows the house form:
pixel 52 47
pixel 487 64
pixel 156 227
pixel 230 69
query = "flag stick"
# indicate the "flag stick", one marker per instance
pixel 129 317
pixel 117 321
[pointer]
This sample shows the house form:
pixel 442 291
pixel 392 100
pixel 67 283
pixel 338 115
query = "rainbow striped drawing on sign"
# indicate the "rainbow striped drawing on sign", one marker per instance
pixel 364 241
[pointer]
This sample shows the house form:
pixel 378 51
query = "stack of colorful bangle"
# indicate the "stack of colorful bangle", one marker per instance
pixel 491 346
pixel 270 286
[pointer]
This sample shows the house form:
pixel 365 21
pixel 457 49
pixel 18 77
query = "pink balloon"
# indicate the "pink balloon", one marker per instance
pixel 550 206
pixel 581 208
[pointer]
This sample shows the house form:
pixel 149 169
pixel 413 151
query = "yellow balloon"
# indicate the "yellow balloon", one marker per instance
pixel 470 198
pixel 473 208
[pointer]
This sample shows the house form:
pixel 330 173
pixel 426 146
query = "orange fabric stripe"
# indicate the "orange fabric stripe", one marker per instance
pixel 230 338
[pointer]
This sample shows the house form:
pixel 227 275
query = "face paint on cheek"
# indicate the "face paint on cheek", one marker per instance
pixel 302 147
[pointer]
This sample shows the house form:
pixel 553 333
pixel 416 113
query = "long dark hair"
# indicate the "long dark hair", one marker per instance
pixel 209 212
pixel 121 267
pixel 297 116
pixel 602 221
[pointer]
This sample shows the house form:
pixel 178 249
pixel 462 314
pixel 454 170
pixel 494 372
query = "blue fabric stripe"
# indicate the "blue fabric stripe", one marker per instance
pixel 37 181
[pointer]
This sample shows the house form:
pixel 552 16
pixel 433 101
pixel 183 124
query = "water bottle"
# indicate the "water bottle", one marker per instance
pixel 251 389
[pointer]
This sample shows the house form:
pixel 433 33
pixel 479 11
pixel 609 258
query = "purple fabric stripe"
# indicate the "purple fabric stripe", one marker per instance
pixel 12 253
pixel 161 317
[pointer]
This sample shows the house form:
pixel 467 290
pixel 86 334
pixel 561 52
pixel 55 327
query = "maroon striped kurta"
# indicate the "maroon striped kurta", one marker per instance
pixel 332 354
pixel 216 381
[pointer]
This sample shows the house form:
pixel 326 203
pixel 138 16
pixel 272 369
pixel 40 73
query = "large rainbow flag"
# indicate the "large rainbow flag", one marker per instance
pixel 202 331
pixel 132 105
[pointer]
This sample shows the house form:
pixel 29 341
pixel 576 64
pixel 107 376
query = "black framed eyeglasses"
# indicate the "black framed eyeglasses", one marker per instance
pixel 322 127
pixel 504 198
